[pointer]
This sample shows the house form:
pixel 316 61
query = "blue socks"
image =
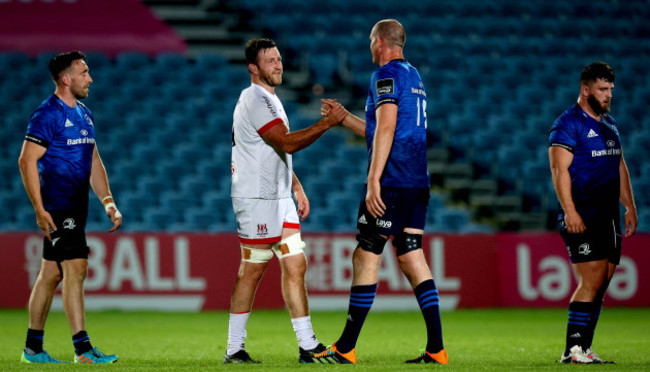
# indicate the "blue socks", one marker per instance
pixel 427 296
pixel 578 325
pixel 594 314
pixel 361 299
pixel 35 340
pixel 81 343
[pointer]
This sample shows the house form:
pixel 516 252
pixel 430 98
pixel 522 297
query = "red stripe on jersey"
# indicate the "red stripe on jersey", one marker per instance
pixel 271 240
pixel 270 125
pixel 290 225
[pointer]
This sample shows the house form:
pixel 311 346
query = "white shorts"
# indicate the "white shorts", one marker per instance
pixel 260 221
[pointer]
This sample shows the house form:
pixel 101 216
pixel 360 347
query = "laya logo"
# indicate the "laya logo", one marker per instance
pixel 584 249
pixel 262 230
pixel 384 224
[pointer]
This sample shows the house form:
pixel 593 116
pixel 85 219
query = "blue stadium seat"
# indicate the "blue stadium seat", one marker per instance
pixel 171 62
pixel 128 62
pixel 14 61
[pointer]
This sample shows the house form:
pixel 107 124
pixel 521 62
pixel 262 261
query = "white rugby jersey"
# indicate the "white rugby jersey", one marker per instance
pixel 258 170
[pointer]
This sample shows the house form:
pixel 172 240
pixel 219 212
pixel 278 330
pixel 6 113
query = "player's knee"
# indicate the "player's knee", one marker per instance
pixel 50 276
pixel 255 255
pixel 373 243
pixel 290 246
pixel 405 243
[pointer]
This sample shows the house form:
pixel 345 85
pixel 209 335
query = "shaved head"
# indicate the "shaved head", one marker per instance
pixel 391 31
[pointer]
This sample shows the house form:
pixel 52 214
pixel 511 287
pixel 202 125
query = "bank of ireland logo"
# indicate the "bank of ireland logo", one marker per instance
pixel 69 224
pixel 584 249
pixel 611 143
pixel 262 230
pixel 83 132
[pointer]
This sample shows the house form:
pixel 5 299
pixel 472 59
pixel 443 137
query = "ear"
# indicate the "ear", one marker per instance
pixel 252 68
pixel 65 79
pixel 380 41
pixel 584 90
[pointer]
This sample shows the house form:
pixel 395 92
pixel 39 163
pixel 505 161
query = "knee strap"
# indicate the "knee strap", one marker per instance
pixel 254 255
pixel 371 243
pixel 405 243
pixel 290 246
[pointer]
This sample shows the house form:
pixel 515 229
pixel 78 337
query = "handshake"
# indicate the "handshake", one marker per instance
pixel 333 112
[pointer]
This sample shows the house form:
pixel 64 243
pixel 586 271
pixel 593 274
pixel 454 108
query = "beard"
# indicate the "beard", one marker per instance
pixel 597 106
pixel 270 79
pixel 79 93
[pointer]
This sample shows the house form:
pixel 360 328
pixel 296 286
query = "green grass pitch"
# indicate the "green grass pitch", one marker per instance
pixel 494 339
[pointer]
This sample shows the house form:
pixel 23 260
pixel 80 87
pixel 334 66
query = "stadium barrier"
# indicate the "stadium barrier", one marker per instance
pixel 112 27
pixel 193 272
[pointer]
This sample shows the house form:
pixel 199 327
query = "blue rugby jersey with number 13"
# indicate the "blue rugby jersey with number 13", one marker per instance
pixel 397 82
pixel 69 136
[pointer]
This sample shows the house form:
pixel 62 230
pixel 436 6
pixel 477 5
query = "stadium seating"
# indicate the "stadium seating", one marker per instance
pixel 497 75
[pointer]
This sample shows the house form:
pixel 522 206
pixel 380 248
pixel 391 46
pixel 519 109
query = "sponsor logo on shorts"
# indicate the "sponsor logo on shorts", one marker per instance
pixel 69 224
pixel 362 220
pixel 384 224
pixel 262 230
pixel 584 249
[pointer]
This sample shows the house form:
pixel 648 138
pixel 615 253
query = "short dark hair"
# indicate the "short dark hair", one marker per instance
pixel 595 71
pixel 62 61
pixel 254 46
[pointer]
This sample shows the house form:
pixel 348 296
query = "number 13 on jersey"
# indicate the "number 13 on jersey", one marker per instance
pixel 422 108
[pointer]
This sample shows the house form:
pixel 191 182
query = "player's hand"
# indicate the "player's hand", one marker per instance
pixel 45 222
pixel 116 218
pixel 374 203
pixel 336 113
pixel 631 222
pixel 325 107
pixel 574 223
pixel 303 204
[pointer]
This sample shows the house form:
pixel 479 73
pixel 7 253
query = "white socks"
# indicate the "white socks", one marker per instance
pixel 236 332
pixel 304 332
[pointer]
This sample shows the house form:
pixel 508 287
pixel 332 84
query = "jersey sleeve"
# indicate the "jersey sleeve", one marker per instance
pixel 564 133
pixel 41 128
pixel 384 87
pixel 264 114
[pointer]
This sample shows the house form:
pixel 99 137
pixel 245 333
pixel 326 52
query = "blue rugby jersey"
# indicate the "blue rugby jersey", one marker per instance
pixel 399 83
pixel 69 136
pixel 595 175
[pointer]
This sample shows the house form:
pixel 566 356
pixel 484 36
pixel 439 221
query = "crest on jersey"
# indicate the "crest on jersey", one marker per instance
pixel 262 230
pixel 385 86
